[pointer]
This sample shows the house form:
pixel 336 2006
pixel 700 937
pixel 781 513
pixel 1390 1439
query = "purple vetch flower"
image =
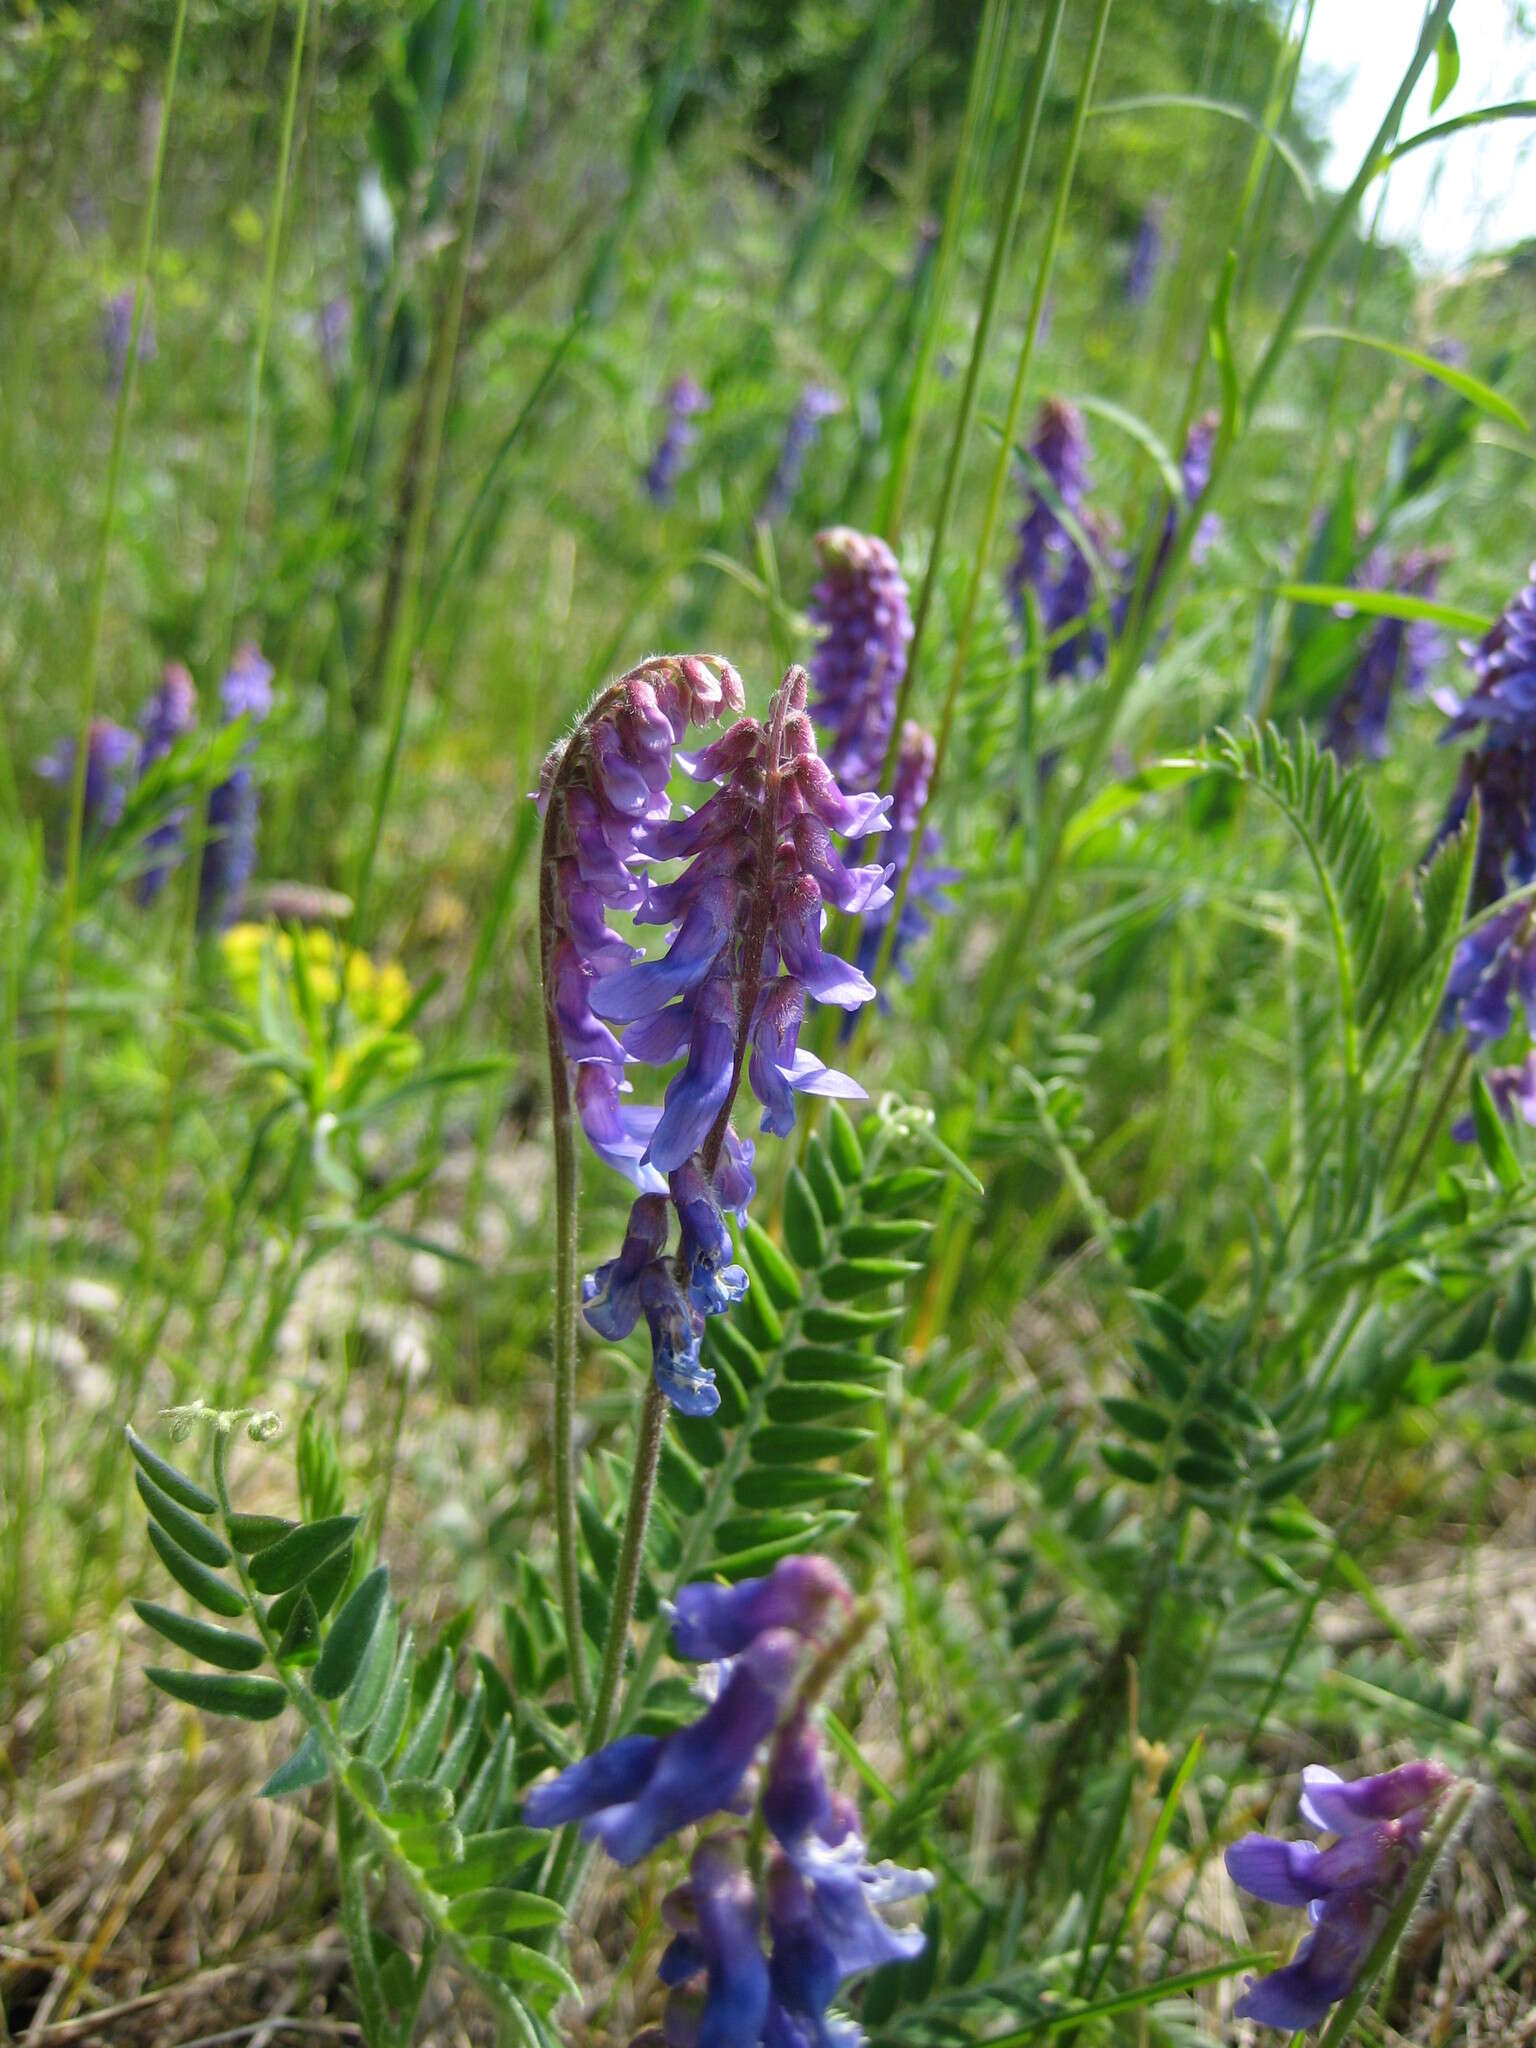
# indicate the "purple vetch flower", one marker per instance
pixel 108 750
pixel 824 1898
pixel 612 779
pixel 1391 651
pixel 229 848
pixel 721 1940
pixel 639 1790
pixel 1348 1889
pixel 1051 562
pixel 816 405
pixel 1194 479
pixel 117 332
pixel 1146 254
pixel 861 605
pixel 686 400
pixel 711 1621
pixel 1502 771
pixel 925 892
pixel 169 716
pixel 745 952
pixel 1513 1090
pixel 1493 966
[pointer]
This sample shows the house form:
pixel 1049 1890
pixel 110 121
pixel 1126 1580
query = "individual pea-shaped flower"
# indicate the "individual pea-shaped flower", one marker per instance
pixel 641 1281
pixel 686 400
pixel 819 1836
pixel 108 750
pixel 862 608
pixel 800 1593
pixel 639 1790
pixel 721 1940
pixel 715 1282
pixel 1348 1888
pixel 169 716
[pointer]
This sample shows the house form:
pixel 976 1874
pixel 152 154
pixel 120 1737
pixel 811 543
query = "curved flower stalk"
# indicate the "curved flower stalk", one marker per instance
pixel 1391 652
pixel 760 1945
pixel 1349 1889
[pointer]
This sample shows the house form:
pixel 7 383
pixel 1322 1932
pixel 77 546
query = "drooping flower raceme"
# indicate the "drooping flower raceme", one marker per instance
pixel 1051 562
pixel 816 405
pixel 1391 652
pixel 1348 1888
pixel 169 716
pixel 1146 254
pixel 599 793
pixel 1499 959
pixel 728 997
pixel 862 605
pixel 1194 480
pixel 686 400
pixel 229 851
pixel 925 891
pixel 821 1893
pixel 746 914
pixel 862 608
pixel 1502 771
pixel 108 750
pixel 117 332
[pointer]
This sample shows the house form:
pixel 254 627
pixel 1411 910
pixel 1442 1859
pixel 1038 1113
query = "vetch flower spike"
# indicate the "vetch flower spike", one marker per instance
pixel 1349 1889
